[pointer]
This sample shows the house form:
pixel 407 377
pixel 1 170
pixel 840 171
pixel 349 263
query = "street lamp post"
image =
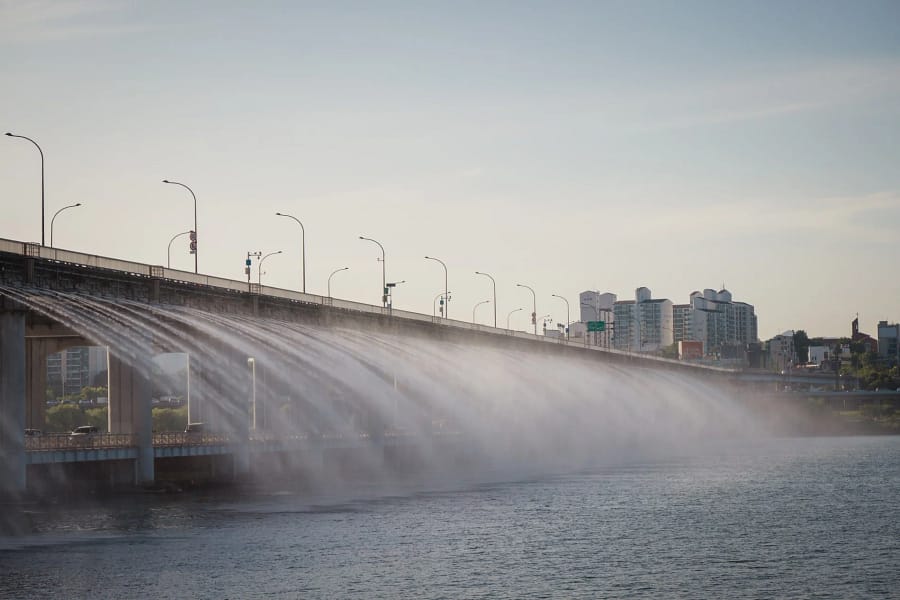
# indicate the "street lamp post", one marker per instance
pixel 54 219
pixel 533 305
pixel 510 314
pixel 446 293
pixel 302 245
pixel 251 362
pixel 568 316
pixel 332 275
pixel 259 271
pixel 169 252
pixel 196 233
pixel 42 178
pixel 383 270
pixel 495 295
pixel 474 308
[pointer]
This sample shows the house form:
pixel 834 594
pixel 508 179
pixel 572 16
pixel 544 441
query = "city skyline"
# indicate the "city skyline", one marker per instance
pixel 603 147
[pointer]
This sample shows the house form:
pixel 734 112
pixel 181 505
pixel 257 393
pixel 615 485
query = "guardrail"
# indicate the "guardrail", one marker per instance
pixel 68 441
pixel 98 441
pixel 179 438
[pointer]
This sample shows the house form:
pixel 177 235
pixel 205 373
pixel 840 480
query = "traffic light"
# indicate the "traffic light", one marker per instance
pixel 193 237
pixel 534 318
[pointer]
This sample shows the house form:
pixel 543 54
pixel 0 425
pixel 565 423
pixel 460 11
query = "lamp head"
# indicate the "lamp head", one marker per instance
pixel 166 181
pixel 279 214
pixel 9 134
pixel 78 204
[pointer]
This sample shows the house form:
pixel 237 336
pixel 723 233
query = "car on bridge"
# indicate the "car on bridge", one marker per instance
pixel 84 434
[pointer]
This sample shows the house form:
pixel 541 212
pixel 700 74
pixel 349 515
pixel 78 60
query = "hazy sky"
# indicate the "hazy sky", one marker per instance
pixel 563 145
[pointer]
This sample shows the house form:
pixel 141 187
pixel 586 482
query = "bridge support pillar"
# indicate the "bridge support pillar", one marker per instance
pixel 12 402
pixel 130 412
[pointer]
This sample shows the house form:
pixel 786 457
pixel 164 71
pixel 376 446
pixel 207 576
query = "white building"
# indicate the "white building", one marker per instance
pixel 643 324
pixel 724 326
pixel 781 351
pixel 598 307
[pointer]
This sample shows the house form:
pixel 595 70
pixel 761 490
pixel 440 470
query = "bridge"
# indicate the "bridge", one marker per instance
pixel 31 331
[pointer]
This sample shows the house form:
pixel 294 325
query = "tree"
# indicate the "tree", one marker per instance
pixel 670 351
pixel 63 417
pixel 97 417
pixel 92 393
pixel 169 419
pixel 801 346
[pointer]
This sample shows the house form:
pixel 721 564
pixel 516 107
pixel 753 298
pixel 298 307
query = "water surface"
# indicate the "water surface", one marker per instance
pixel 810 517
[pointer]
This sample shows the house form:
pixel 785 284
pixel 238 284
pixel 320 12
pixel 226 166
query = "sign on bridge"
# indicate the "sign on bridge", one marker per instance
pixel 596 325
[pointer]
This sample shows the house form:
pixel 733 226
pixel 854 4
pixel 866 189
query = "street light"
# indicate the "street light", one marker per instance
pixel 252 364
pixel 332 275
pixel 42 178
pixel 510 314
pixel 533 305
pixel 446 293
pixel 54 218
pixel 259 271
pixel 495 295
pixel 169 252
pixel 434 302
pixel 383 270
pixel 302 245
pixel 475 307
pixel 568 318
pixel 196 232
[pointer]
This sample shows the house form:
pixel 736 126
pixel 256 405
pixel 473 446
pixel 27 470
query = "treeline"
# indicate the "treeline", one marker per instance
pixel 65 417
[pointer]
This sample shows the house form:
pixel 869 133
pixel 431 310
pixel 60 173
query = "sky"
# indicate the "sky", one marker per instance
pixel 566 146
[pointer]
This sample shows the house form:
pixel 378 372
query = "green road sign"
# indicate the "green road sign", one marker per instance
pixel 596 325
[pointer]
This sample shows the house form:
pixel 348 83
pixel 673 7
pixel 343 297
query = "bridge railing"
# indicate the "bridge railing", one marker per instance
pixel 180 438
pixel 66 441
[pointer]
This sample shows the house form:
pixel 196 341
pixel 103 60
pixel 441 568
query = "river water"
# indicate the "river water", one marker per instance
pixel 805 517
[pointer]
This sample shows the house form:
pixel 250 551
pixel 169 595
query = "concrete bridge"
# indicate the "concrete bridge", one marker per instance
pixel 28 337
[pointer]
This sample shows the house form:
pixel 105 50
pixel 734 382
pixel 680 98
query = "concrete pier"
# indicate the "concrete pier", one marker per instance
pixel 12 401
pixel 130 412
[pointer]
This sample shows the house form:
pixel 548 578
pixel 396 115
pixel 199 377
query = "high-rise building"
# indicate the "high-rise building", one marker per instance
pixel 682 319
pixel 643 324
pixel 725 327
pixel 74 368
pixel 598 307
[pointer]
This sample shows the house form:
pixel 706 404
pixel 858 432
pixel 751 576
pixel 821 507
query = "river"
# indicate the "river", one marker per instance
pixel 792 517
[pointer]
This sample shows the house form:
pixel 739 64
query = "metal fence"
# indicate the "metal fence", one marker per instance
pixel 68 441
pixel 198 438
